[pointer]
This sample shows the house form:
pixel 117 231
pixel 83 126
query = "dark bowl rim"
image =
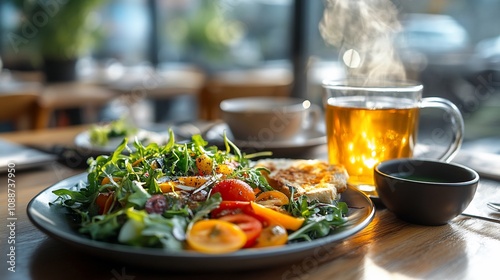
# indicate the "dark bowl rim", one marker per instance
pixel 473 181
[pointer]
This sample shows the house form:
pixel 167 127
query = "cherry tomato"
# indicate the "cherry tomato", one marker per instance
pixel 250 226
pixel 272 198
pixel 104 202
pixel 204 164
pixel 224 169
pixel 215 237
pixel 234 189
pixel 272 235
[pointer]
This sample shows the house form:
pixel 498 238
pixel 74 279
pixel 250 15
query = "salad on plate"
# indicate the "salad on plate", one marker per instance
pixel 100 135
pixel 191 196
pixel 105 137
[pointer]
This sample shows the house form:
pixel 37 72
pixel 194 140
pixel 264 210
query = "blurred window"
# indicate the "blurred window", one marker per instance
pixel 10 18
pixel 125 30
pixel 218 34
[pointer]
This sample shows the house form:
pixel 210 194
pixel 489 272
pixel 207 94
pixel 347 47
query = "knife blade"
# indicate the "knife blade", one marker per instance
pixel 481 217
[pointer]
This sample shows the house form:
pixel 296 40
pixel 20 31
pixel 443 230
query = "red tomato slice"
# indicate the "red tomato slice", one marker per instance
pixel 234 189
pixel 104 201
pixel 250 226
pixel 215 237
pixel 230 208
pixel 272 235
pixel 237 207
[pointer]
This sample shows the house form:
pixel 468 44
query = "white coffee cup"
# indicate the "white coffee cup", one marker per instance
pixel 267 119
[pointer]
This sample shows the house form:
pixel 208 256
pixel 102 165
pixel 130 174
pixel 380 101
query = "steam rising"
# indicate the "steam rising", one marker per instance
pixel 363 31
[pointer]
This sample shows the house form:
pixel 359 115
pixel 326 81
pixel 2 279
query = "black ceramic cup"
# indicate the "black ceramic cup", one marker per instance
pixel 423 191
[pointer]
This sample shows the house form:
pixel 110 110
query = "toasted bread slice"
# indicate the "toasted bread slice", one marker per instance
pixel 315 179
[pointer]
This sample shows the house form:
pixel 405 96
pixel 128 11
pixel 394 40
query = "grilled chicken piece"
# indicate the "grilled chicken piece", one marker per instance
pixel 315 179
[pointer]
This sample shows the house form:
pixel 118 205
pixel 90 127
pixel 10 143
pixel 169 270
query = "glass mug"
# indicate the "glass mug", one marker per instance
pixel 367 123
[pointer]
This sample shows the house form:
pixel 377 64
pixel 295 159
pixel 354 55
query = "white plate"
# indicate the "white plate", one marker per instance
pixel 82 141
pixel 54 221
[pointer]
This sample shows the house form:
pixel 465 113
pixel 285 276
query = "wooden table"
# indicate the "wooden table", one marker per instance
pixel 466 248
pixel 90 95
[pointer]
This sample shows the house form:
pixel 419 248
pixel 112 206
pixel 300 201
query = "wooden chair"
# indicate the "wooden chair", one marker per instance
pixel 23 110
pixel 241 83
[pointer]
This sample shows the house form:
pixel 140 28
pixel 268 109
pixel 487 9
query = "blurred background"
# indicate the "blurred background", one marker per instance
pixel 163 60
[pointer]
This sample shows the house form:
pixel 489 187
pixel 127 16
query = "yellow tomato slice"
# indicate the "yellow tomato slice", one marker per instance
pixel 272 198
pixel 166 187
pixel 106 180
pixel 215 237
pixel 272 235
pixel 286 221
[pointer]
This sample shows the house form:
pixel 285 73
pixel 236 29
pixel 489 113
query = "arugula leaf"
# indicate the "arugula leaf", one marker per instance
pixel 210 204
pixel 321 218
pixel 152 230
pixel 230 145
pixel 103 227
pixel 138 195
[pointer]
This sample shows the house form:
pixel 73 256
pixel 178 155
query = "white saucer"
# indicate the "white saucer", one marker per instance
pixel 290 148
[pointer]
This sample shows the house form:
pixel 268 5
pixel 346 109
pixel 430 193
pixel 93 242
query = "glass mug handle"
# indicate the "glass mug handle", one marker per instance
pixel 456 120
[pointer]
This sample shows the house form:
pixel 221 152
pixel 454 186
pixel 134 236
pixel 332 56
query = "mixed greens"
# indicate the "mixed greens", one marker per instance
pixel 157 195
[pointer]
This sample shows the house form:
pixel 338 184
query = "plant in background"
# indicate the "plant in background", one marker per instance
pixel 208 31
pixel 59 30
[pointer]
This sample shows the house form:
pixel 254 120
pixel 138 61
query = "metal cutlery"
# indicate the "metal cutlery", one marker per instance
pixel 494 206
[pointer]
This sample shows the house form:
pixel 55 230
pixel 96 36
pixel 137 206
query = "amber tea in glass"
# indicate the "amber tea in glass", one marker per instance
pixel 367 123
